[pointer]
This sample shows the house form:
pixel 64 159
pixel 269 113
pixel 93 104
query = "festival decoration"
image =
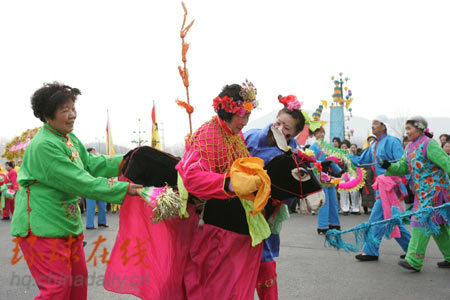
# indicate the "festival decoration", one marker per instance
pixel 164 200
pixel 183 70
pixel 156 142
pixel 357 176
pixel 109 141
pixel 16 147
pixel 342 97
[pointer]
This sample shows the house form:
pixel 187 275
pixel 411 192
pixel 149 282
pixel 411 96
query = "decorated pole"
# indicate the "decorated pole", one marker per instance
pixel 337 116
pixel 183 70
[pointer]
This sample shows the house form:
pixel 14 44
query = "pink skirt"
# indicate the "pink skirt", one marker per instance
pixel 176 259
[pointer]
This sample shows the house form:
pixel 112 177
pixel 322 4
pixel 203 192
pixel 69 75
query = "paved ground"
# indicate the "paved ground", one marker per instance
pixel 306 269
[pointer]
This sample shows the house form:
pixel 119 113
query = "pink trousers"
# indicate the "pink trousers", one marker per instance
pixel 267 285
pixel 9 207
pixel 57 265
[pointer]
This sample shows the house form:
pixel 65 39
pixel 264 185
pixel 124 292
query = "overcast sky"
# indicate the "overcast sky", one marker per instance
pixel 123 55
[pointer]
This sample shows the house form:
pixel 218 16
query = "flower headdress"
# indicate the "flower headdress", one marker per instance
pixel 290 102
pixel 419 125
pixel 248 93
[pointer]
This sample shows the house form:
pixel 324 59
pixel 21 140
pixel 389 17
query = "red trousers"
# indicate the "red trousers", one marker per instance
pixel 57 265
pixel 9 207
pixel 267 287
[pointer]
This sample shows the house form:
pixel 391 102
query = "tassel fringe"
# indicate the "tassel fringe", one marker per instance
pixel 362 233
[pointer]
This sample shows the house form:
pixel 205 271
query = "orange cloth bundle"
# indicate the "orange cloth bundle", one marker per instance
pixel 247 176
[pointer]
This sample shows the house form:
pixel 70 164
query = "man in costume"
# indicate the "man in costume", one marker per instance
pixel 91 205
pixel 328 215
pixel 222 263
pixel 388 148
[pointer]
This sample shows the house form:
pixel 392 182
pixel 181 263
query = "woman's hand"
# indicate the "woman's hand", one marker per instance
pixel 132 189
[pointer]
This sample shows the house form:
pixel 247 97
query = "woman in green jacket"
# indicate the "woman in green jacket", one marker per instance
pixel 56 170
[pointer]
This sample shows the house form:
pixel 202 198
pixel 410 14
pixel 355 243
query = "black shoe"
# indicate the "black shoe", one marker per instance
pixel 338 227
pixel 345 213
pixel 103 225
pixel 366 257
pixel 89 228
pixel 444 264
pixel 406 265
pixel 356 213
pixel 84 243
pixel 322 230
pixel 5 218
pixel 403 256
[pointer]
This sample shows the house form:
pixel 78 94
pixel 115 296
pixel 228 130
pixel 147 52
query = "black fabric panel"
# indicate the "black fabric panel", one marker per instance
pixel 227 214
pixel 151 167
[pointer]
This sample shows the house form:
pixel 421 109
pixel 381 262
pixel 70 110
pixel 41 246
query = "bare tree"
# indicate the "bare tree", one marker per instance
pixel 397 123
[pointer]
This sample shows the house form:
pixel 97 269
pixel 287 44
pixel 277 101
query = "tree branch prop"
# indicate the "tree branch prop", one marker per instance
pixel 362 234
pixel 184 74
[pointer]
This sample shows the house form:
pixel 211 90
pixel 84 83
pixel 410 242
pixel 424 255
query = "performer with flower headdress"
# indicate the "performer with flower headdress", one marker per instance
pixel 261 143
pixel 429 167
pixel 222 263
pixel 328 216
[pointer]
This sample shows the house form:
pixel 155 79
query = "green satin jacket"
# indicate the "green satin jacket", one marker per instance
pixel 56 170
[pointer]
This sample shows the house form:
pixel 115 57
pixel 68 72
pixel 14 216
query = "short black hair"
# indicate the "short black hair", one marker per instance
pixel 347 142
pixel 297 115
pixel 317 130
pixel 232 91
pixel 338 140
pixel 90 149
pixel 405 139
pixel 371 137
pixel 11 164
pixel 51 96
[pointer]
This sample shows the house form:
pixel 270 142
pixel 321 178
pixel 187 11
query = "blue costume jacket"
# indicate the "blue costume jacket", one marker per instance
pixel 257 145
pixel 385 147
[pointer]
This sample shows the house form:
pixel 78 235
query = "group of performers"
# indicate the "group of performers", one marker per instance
pixel 223 261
